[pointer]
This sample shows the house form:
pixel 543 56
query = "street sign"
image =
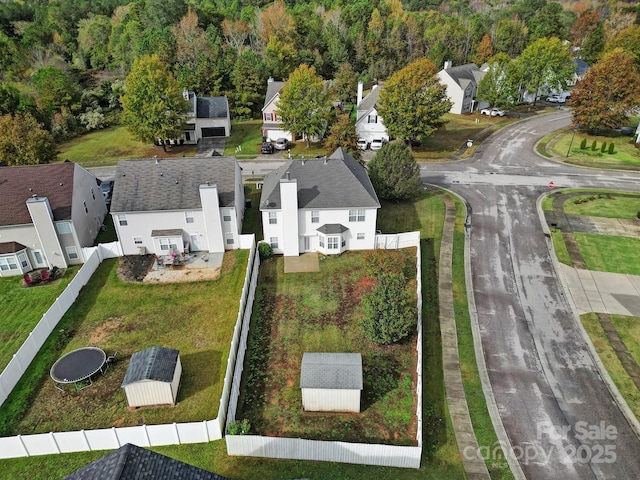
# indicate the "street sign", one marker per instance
pixel 551 184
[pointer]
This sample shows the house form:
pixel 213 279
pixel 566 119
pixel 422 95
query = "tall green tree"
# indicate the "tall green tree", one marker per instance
pixel 152 105
pixel 248 82
pixel 608 93
pixel 394 173
pixel 546 61
pixel 303 105
pixel 593 45
pixel 9 98
pixel 24 141
pixel 413 101
pixel 345 86
pixel 55 89
pixel 499 87
pixel 343 134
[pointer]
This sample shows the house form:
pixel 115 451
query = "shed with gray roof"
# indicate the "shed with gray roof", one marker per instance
pixel 331 382
pixel 153 377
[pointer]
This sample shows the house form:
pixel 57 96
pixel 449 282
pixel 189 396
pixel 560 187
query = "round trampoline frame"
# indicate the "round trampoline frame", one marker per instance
pixel 89 357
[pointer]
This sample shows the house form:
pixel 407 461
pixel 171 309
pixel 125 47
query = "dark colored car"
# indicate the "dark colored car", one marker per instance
pixel 266 148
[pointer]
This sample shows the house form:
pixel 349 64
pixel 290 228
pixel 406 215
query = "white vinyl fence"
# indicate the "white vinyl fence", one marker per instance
pixel 111 438
pixel 343 452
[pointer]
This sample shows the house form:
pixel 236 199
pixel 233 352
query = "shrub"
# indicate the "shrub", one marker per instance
pixel 612 148
pixel 390 312
pixel 603 147
pixel 239 427
pixel 377 262
pixel 583 144
pixel 264 250
pixel 594 146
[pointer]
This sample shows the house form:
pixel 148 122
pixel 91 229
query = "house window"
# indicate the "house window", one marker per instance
pixel 92 194
pixel 273 219
pixel 187 136
pixel 226 216
pixel 63 227
pixel 167 244
pixel 229 238
pixel 273 241
pixel 344 241
pixel 356 215
pixel 122 220
pixel 315 216
pixel 22 258
pixel 188 216
pixel 332 243
pixel 321 241
pixel 361 236
pixel 372 119
pixel 137 240
pixel 8 263
pixel 72 252
pixel 86 210
pixel 268 117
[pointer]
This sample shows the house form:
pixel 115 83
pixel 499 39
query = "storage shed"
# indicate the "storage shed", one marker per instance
pixel 331 382
pixel 153 377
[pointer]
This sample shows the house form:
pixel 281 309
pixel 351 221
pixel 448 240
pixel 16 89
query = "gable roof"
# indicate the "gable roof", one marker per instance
pixel 18 184
pixel 463 75
pixel 212 107
pixel 331 370
pixel 273 88
pixel 370 100
pixel 337 181
pixel 131 462
pixel 580 67
pixel 155 363
pixel 171 184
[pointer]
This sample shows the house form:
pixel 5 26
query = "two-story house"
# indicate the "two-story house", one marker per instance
pixel 177 205
pixel 208 117
pixel 369 124
pixel 326 205
pixel 271 124
pixel 47 214
pixel 462 86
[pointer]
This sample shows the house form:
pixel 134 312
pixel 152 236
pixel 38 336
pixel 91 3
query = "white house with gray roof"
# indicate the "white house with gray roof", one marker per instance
pixel 331 382
pixel 174 205
pixel 271 123
pixel 325 205
pixel 208 117
pixel 462 86
pixel 369 124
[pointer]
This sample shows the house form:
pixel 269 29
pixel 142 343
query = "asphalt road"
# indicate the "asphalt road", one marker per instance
pixel 559 416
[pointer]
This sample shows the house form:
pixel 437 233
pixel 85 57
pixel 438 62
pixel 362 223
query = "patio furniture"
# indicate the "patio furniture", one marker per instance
pixel 28 281
pixel 44 275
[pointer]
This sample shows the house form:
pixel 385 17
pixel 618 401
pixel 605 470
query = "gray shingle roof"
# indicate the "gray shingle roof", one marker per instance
pixel 272 90
pixel 332 228
pixel 155 363
pixel 342 371
pixel 53 181
pixel 370 100
pixel 172 184
pixel 212 107
pixel 131 462
pixel 338 181
pixel 465 74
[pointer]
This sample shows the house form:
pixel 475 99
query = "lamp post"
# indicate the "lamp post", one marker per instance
pixel 571 142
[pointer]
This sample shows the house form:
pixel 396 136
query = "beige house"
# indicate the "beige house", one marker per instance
pixel 462 86
pixel 271 123
pixel 47 214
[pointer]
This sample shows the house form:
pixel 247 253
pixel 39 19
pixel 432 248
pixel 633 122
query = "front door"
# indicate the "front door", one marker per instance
pixel 307 243
pixel 38 258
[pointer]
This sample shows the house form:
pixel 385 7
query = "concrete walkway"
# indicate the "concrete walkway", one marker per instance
pixel 474 466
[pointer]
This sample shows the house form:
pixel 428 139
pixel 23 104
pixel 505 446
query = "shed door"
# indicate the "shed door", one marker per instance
pixel 213 132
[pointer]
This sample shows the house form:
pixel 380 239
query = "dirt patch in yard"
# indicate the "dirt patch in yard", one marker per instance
pixel 133 268
pixel 140 268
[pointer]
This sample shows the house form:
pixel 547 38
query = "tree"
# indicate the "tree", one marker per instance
pixel 303 105
pixel 546 61
pixel 629 39
pixel 547 22
pixel 413 100
pixel 608 93
pixel 390 312
pixel 93 39
pixel 248 81
pixel 345 86
pixel 24 141
pixel 153 106
pixel 56 89
pixel 484 51
pixel 343 134
pixel 499 87
pixel 191 41
pixel 9 98
pixel 394 173
pixel 593 45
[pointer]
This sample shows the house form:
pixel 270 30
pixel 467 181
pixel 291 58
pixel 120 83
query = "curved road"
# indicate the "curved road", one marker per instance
pixel 561 419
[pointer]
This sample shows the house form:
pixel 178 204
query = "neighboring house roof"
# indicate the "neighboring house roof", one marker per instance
pixel 463 75
pixel 370 100
pixel 155 363
pixel 580 67
pixel 212 107
pixel 18 184
pixel 273 88
pixel 331 370
pixel 171 184
pixel 131 462
pixel 10 247
pixel 337 181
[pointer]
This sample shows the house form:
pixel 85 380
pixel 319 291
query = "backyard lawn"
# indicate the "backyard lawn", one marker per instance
pixel 22 308
pixel 195 318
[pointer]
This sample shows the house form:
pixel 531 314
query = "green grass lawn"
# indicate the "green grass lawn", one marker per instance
pixel 22 308
pixel 195 318
pixel 246 134
pixel 603 205
pixel 561 248
pixel 625 153
pixel 107 146
pixel 610 254
pixel 252 222
pixel 627 327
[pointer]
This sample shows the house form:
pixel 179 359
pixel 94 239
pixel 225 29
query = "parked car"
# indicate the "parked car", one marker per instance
pixel 362 144
pixel 107 190
pixel 492 112
pixel 377 143
pixel 267 147
pixel 555 99
pixel 282 144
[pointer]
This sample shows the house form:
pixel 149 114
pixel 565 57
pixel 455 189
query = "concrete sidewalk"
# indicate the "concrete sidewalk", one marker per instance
pixel 603 292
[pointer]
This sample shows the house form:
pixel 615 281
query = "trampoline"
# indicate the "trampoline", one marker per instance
pixel 77 367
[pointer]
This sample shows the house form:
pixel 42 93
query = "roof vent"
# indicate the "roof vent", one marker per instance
pixel 34 195
pixel 155 159
pixel 161 174
pixel 176 182
pixel 303 162
pixel 288 174
pixel 325 160
pixel 61 183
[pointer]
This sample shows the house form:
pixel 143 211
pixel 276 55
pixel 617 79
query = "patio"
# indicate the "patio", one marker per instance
pixel 191 267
